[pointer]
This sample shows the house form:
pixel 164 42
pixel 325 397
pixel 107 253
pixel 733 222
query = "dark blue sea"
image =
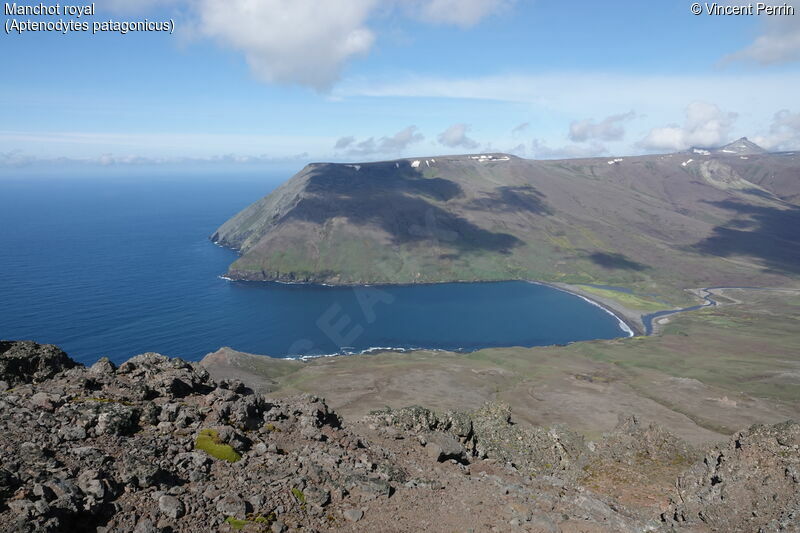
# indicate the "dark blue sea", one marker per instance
pixel 118 267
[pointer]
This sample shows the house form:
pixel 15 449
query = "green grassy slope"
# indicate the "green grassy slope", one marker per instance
pixel 652 223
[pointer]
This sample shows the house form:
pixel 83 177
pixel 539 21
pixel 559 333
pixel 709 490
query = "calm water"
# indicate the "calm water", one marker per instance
pixel 116 268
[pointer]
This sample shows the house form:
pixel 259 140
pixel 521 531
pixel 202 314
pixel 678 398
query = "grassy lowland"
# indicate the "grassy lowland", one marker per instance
pixel 708 373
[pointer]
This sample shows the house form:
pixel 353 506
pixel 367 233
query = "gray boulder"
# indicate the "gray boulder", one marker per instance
pixel 232 505
pixel 442 446
pixel 353 515
pixel 171 506
pixel 28 362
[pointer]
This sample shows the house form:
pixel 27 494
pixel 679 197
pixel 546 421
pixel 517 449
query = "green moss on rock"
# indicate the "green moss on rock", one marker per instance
pixel 208 441
pixel 298 495
pixel 235 523
pixel 260 522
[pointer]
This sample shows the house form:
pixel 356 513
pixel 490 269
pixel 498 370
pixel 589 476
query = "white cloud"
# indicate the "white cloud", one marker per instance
pixel 344 142
pixel 784 133
pixel 456 137
pixel 402 139
pixel 779 41
pixel 393 144
pixel 541 150
pixel 463 13
pixel 559 97
pixel 706 125
pixel 305 42
pixel 609 129
pixel 299 41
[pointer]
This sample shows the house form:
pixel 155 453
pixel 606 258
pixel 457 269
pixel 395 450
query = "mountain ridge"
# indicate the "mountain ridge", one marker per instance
pixel 665 221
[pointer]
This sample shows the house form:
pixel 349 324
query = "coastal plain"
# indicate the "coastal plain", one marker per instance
pixel 652 239
pixel 707 374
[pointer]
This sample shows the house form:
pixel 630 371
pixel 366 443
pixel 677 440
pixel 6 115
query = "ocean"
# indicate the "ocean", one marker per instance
pixel 118 267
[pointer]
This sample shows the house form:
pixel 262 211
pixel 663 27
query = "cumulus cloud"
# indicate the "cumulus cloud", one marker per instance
pixel 456 137
pixel 303 41
pixel 784 132
pixel 306 42
pixel 402 139
pixel 779 41
pixel 706 125
pixel 463 13
pixel 344 142
pixel 541 150
pixel 385 145
pixel 609 129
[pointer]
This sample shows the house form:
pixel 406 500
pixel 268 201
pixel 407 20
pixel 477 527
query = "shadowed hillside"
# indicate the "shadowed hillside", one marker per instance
pixel 660 222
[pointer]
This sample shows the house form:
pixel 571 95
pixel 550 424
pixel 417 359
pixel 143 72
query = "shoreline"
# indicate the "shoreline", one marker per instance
pixel 631 322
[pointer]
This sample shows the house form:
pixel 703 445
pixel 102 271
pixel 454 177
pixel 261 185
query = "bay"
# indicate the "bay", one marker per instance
pixel 118 267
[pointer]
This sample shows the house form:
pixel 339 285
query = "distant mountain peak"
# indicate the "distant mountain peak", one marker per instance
pixel 742 146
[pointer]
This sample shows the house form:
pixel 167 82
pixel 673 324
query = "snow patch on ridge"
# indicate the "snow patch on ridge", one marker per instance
pixel 485 158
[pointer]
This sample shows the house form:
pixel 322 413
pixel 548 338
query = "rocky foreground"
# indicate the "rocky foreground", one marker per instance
pixel 156 445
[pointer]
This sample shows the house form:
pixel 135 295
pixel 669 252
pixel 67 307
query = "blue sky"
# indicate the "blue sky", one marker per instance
pixel 277 82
